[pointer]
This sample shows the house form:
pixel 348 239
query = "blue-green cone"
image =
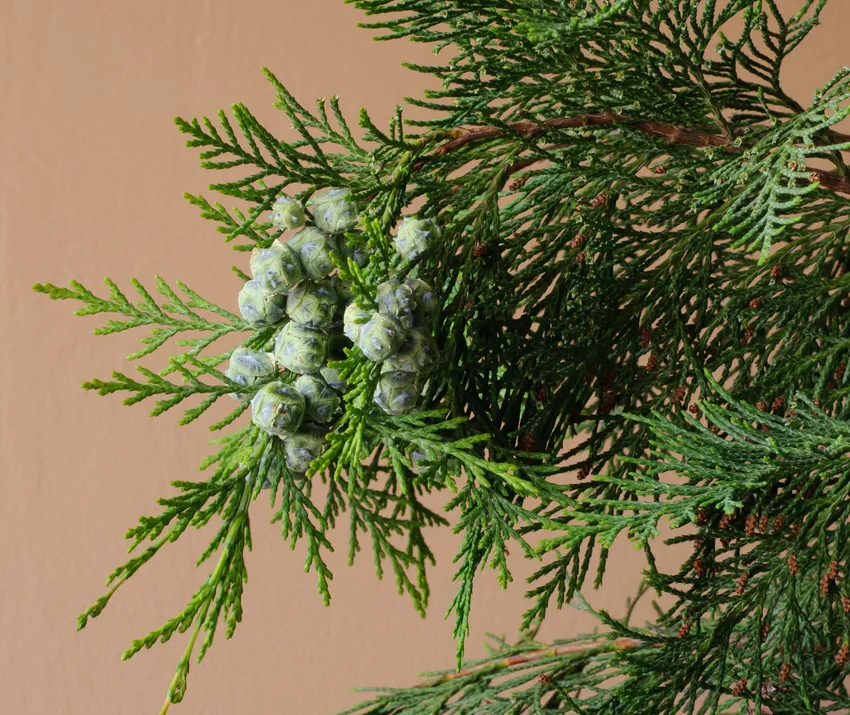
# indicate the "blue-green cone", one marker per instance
pixel 314 248
pixel 334 211
pixel 277 408
pixel 259 307
pixel 356 253
pixel 320 399
pixel 334 380
pixel 381 337
pixel 397 392
pixel 300 349
pixel 396 299
pixel 353 321
pixel 248 367
pixel 415 236
pixel 301 448
pixel 287 213
pixel 426 299
pixel 417 354
pixel 312 304
pixel 276 268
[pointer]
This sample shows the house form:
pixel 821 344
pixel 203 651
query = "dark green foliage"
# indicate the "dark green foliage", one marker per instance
pixel 636 220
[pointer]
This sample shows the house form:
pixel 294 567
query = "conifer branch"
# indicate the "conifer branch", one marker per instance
pixel 670 133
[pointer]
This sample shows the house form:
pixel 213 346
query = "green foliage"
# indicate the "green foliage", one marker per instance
pixel 635 219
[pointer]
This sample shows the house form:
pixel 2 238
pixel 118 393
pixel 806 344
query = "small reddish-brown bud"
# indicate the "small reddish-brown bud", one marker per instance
pixel 645 338
pixel 793 566
pixel 763 523
pixel 761 406
pixel 580 257
pixel 778 403
pixel 738 687
pixel 469 305
pixel 679 394
pixel 583 474
pixel 816 402
pixel 750 525
pixel 599 200
pixel 795 528
pixel 765 629
pixel 776 272
pixel 747 337
pixel 528 442
pixel 714 429
pixel 845 603
pixel 544 679
pixel 843 653
pixel 694 409
pixel 609 401
pixel 725 520
pixel 660 169
pixel 741 584
pixel 480 250
pixel 699 566
pixel 651 363
pixel 518 183
pixel 833 570
pixel 755 303
pixel 784 672
pixel 824 585
pixel 685 629
pixel 839 373
pixel 778 523
pixel 702 515
pixel 578 241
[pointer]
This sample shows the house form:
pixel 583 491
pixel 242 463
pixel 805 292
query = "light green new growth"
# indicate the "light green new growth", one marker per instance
pixel 640 267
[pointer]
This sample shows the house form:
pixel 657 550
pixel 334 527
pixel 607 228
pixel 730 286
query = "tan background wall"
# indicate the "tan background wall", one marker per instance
pixel 91 176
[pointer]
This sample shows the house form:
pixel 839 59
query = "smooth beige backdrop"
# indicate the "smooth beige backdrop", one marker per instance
pixel 91 176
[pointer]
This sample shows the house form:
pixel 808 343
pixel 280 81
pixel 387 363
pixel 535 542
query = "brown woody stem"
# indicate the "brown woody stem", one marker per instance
pixel 669 132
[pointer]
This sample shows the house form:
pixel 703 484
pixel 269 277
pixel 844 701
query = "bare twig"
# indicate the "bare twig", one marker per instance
pixel 669 132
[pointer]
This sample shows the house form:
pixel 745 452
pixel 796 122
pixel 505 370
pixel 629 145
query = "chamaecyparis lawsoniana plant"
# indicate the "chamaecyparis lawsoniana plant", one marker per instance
pixel 623 299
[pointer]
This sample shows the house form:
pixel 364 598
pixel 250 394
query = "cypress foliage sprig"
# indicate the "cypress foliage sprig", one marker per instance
pixel 640 259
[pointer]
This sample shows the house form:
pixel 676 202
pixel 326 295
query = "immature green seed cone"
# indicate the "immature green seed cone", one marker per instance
pixel 312 304
pixel 320 399
pixel 277 408
pixel 334 211
pixel 397 392
pixel 287 213
pixel 357 254
pixel 353 321
pixel 381 337
pixel 397 299
pixel 415 236
pixel 259 307
pixel 334 380
pixel 248 367
pixel 418 354
pixel 300 349
pixel 314 248
pixel 418 458
pixel 423 294
pixel 303 447
pixel 276 268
